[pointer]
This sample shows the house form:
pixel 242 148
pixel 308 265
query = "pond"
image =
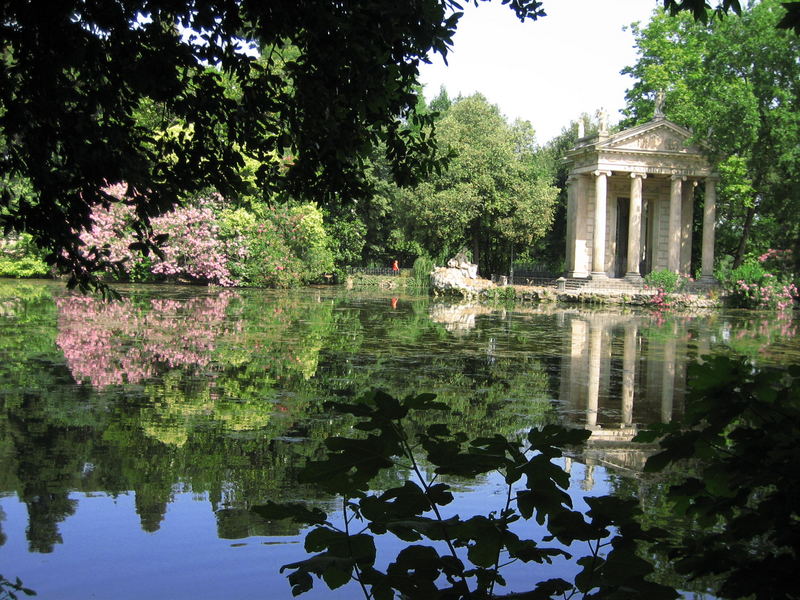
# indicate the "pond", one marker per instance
pixel 136 435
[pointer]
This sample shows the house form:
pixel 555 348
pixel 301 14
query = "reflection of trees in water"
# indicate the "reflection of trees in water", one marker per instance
pixel 111 343
pixel 239 411
pixel 47 459
pixel 650 493
pixel 237 523
pixel 3 536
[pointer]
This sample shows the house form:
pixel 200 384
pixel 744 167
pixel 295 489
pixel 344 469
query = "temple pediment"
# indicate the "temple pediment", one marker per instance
pixel 660 136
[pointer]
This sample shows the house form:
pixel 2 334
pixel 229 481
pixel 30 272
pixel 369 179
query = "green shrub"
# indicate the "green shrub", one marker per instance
pixel 751 286
pixel 309 242
pixel 504 294
pixel 269 262
pixel 19 257
pixel 421 271
pixel 276 247
pixel 664 280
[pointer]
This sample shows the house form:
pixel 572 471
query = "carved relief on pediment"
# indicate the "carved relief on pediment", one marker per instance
pixel 663 140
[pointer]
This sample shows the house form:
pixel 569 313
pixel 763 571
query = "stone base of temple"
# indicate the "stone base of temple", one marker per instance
pixel 598 275
pixel 634 277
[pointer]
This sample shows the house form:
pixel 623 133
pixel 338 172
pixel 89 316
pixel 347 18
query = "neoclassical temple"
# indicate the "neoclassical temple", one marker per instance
pixel 631 199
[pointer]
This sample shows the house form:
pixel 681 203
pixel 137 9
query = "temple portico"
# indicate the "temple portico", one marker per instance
pixel 631 200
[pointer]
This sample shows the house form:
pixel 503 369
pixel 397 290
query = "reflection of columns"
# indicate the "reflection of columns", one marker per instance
pixel 628 373
pixel 668 377
pixel 674 240
pixel 588 479
pixel 599 234
pixel 635 227
pixel 593 395
pixel 709 219
pixel 579 335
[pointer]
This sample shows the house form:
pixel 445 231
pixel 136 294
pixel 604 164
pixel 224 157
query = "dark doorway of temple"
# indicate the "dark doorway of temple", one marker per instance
pixel 621 255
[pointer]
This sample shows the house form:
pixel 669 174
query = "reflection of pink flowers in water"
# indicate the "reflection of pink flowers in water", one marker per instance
pixel 119 342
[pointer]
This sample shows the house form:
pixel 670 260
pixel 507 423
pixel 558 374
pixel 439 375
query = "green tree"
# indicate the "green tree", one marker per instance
pixel 550 249
pixel 736 82
pixel 493 196
pixel 73 80
pixel 334 78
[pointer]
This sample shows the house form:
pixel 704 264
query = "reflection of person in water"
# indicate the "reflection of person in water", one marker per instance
pixel 395 267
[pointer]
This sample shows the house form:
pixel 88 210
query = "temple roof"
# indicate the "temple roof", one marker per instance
pixel 658 146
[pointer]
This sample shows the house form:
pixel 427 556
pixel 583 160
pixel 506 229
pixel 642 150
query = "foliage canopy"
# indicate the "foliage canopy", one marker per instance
pixel 493 194
pixel 735 82
pixel 91 92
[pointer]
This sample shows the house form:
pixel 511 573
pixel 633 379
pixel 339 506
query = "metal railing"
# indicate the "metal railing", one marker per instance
pixel 524 271
pixel 376 271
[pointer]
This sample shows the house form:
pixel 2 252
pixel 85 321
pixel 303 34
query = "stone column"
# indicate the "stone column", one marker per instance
pixel 628 373
pixel 687 212
pixel 674 239
pixel 599 234
pixel 635 227
pixel 572 217
pixel 709 220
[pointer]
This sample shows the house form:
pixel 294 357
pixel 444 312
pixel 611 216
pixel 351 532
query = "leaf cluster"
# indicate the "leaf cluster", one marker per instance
pixel 162 95
pixel 738 445
pixel 9 589
pixel 447 555
pixel 734 82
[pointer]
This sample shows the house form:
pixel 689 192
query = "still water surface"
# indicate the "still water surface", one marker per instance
pixel 134 436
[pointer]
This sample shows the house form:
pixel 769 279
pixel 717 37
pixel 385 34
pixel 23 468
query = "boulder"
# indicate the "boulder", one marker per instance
pixel 459 277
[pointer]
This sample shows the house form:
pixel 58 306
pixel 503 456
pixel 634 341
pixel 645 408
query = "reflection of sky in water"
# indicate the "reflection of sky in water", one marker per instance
pixel 203 387
pixel 106 554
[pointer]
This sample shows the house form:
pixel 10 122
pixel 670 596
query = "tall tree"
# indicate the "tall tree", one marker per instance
pixel 736 82
pixel 491 198
pixel 336 78
pixel 551 249
pixel 73 76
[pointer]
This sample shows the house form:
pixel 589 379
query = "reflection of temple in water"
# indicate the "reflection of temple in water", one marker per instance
pixel 616 376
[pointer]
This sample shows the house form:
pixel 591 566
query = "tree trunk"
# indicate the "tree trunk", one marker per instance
pixel 511 266
pixel 476 245
pixel 748 224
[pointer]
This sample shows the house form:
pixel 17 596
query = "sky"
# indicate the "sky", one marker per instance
pixel 547 71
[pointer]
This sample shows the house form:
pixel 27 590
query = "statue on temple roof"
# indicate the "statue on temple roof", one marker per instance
pixel 659 110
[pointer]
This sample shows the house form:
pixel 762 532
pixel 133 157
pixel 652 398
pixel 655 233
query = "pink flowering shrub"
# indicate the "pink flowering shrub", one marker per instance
pixel 752 286
pixel 206 243
pixel 192 251
pixel 779 262
pixel 110 235
pixel 667 284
